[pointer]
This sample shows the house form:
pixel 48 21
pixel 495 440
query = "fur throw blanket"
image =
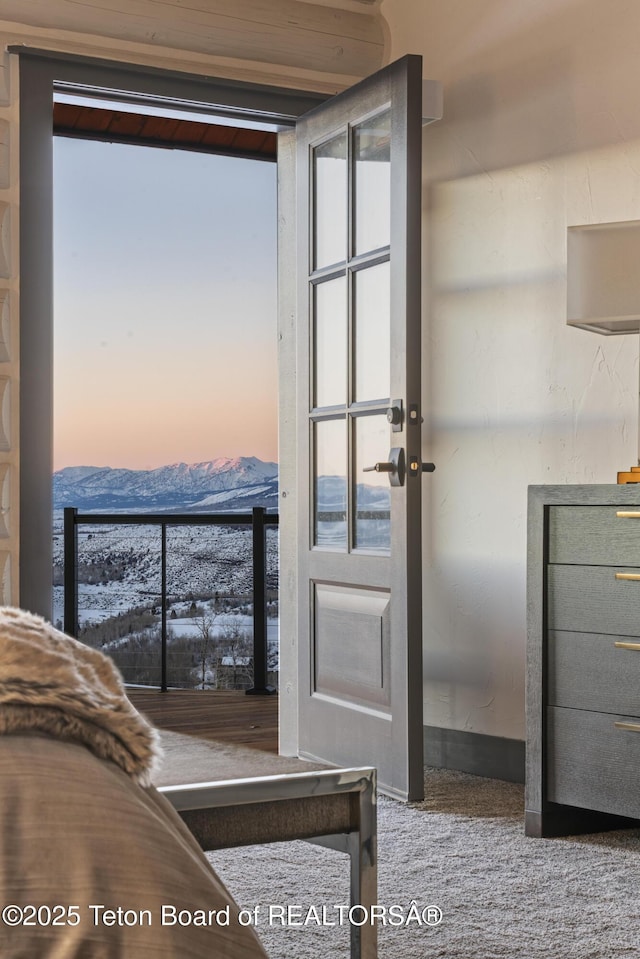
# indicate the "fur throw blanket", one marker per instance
pixel 52 684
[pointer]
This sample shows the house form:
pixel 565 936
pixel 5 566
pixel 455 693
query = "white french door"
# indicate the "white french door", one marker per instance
pixel 357 452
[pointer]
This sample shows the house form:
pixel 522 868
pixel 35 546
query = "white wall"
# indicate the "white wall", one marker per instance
pixel 541 131
pixel 323 45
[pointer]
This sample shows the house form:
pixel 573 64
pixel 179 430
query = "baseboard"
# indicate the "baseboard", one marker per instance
pixel 475 753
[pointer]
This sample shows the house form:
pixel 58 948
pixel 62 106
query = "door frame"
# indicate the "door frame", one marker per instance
pixel 41 73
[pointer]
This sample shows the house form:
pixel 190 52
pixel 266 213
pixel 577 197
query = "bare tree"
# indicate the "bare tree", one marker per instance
pixel 236 656
pixel 205 643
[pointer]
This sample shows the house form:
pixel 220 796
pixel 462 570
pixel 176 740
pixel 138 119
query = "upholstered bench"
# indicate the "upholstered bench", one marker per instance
pixel 234 796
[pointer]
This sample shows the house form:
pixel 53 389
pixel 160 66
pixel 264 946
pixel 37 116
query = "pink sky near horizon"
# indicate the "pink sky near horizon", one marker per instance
pixel 165 307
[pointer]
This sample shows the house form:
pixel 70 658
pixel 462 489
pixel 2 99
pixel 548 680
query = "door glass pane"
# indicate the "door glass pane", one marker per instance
pixel 330 201
pixel 372 179
pixel 372 524
pixel 372 325
pixel 331 484
pixel 331 342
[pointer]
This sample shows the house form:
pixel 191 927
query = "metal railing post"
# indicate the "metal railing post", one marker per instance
pixel 260 686
pixel 163 619
pixel 70 615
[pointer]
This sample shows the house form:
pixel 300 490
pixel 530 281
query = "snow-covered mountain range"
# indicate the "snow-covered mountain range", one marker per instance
pixel 220 485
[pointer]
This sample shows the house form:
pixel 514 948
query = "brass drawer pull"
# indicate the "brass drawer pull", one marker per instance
pixel 619 645
pixel 625 514
pixel 630 727
pixel 634 577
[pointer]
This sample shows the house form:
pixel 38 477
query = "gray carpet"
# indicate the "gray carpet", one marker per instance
pixel 501 895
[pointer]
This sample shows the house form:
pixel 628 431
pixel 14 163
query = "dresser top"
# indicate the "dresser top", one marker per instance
pixel 594 494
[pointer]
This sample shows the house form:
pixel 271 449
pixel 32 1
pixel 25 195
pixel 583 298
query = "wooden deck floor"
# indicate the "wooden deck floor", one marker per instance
pixel 227 716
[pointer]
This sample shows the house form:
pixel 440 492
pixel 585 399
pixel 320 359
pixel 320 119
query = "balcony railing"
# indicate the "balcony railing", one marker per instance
pixel 258 520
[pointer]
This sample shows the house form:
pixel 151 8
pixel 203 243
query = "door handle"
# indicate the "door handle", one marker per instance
pixel 394 466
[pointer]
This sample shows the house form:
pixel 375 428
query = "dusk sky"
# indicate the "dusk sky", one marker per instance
pixel 165 306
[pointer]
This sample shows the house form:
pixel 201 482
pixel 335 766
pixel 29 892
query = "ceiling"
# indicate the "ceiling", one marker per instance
pixel 114 126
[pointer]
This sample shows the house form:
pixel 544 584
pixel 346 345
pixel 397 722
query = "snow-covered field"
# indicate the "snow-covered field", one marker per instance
pixel 209 590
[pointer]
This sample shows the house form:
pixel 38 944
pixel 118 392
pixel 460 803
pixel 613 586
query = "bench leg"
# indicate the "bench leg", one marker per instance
pixel 364 873
pixel 364 891
pixel 362 847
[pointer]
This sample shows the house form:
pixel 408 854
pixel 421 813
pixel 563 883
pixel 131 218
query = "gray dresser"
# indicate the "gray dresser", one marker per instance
pixel 583 658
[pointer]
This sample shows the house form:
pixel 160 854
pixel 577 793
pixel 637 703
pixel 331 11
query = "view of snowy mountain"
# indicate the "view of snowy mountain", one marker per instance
pixel 220 485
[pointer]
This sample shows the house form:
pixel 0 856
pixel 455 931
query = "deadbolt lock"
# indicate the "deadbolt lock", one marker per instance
pixel 416 466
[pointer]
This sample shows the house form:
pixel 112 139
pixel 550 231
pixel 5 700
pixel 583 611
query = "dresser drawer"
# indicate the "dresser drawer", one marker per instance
pixel 590 599
pixel 594 671
pixel 594 535
pixel 592 763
